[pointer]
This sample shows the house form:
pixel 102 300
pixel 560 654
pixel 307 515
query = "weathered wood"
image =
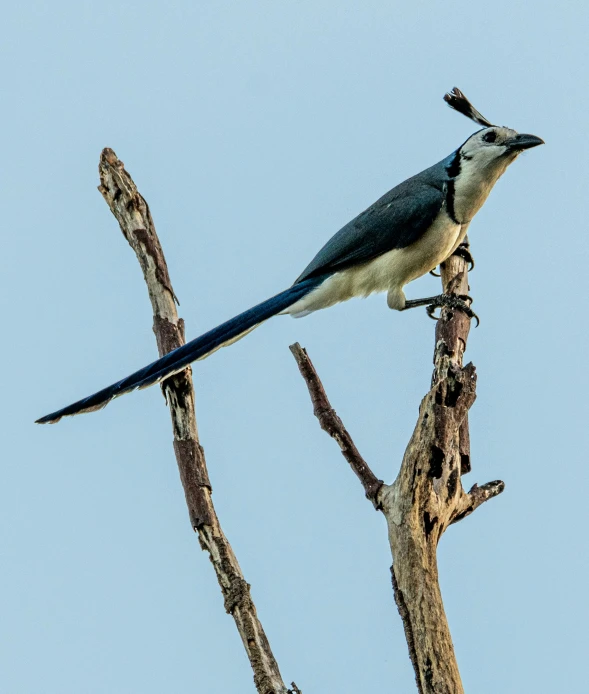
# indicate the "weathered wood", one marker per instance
pixel 132 213
pixel 427 495
pixel 333 425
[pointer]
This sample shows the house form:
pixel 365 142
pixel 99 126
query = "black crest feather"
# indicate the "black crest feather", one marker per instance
pixel 456 100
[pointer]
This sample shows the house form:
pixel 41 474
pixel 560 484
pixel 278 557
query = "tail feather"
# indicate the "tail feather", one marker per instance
pixel 199 348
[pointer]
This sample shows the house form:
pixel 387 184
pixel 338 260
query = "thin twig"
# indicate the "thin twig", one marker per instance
pixel 333 425
pixel 477 496
pixel 132 213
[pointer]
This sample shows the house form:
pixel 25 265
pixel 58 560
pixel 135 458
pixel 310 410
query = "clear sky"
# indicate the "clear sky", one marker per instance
pixel 255 130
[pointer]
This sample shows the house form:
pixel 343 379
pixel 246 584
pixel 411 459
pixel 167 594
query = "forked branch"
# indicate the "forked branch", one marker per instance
pixel 427 495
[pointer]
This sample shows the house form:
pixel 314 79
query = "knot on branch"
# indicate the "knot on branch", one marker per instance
pixel 237 594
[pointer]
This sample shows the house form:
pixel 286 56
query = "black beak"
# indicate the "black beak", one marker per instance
pixel 523 141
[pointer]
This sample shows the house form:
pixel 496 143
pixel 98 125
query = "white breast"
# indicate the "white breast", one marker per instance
pixel 390 272
pixel 477 177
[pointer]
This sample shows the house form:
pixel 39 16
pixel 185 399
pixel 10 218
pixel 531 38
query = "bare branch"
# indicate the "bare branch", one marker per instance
pixel 333 425
pixel 477 496
pixel 132 213
pixel 427 495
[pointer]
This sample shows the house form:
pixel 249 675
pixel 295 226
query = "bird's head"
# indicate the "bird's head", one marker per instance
pixel 489 151
pixel 496 146
pixel 475 167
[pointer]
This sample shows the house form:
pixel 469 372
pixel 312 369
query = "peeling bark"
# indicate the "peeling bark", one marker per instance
pixel 427 495
pixel 134 217
pixel 423 501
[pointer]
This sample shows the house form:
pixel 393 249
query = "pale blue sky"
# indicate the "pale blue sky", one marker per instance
pixel 255 130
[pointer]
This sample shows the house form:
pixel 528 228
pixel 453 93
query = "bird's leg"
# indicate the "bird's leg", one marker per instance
pixel 455 301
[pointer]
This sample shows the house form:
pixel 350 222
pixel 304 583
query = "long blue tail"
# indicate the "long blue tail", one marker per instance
pixel 201 347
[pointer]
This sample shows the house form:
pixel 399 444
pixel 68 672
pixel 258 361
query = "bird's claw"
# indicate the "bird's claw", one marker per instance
pixel 460 302
pixel 464 252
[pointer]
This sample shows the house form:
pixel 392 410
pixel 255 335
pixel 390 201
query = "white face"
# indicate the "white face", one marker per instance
pixel 483 158
pixel 491 147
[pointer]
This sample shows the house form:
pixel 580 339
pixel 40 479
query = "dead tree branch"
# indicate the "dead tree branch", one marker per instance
pixel 132 213
pixel 333 425
pixel 427 495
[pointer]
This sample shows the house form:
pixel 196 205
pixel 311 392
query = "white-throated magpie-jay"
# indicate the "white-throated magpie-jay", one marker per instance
pixel 402 236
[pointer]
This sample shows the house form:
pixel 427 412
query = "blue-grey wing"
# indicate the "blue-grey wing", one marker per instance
pixel 397 220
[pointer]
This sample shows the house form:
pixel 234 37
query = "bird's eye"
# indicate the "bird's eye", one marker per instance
pixel 491 136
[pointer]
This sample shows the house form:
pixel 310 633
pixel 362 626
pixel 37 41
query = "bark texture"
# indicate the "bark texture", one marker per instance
pixel 333 425
pixel 427 495
pixel 132 213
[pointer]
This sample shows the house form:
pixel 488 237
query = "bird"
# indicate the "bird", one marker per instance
pixel 404 235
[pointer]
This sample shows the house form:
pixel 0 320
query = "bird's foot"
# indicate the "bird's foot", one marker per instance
pixel 464 252
pixel 459 302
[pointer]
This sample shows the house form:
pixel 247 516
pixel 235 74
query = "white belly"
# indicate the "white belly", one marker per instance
pixel 390 272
